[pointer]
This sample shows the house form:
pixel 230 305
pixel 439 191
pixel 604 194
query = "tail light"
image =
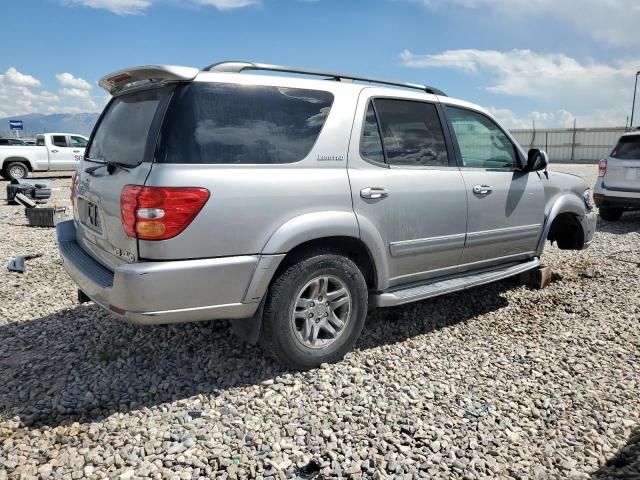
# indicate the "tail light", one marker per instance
pixel 159 213
pixel 602 167
pixel 72 193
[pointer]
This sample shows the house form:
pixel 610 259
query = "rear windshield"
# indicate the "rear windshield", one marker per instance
pixel 123 131
pixel 238 124
pixel 628 148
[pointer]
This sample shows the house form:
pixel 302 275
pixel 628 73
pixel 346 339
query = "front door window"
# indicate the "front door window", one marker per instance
pixel 482 143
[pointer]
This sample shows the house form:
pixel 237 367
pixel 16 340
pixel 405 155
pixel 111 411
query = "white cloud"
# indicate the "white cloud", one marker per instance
pixel 559 118
pixel 133 7
pixel 68 80
pixel 596 91
pixel 21 94
pixel 611 21
pixel 226 4
pixel 119 7
pixel 14 77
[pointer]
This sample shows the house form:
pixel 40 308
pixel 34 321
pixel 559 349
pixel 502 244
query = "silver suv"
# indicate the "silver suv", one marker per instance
pixel 295 203
pixel 618 185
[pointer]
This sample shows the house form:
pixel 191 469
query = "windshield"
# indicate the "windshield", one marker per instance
pixel 628 148
pixel 123 133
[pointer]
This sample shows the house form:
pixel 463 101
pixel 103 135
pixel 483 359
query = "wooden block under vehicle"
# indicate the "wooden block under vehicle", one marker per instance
pixel 537 278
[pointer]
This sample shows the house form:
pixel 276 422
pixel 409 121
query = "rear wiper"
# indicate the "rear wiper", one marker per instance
pixel 111 166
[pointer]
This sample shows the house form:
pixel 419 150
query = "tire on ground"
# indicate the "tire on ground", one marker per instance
pixel 278 336
pixel 610 214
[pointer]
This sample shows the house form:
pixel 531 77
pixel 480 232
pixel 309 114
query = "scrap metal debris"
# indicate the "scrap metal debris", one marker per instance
pixel 590 273
pixel 17 264
pixel 617 257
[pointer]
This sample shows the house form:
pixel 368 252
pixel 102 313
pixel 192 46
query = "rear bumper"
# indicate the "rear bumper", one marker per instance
pixel 621 202
pixel 149 293
pixel 608 197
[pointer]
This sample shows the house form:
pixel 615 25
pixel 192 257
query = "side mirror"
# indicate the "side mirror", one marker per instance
pixel 537 160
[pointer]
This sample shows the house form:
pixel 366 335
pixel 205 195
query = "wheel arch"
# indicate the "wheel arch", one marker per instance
pixel 335 230
pixel 24 160
pixel 562 224
pixel 351 247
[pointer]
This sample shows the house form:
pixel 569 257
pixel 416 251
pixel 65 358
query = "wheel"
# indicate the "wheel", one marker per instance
pixel 16 170
pixel 315 311
pixel 610 214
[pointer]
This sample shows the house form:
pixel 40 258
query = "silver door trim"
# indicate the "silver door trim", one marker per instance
pixel 431 244
pixel 502 234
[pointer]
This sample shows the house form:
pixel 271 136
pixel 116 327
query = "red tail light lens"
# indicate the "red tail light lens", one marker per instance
pixel 602 167
pixel 72 193
pixel 159 213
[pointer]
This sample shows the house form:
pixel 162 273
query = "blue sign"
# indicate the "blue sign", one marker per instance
pixel 15 124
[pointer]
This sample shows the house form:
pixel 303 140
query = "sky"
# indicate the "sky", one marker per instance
pixel 542 61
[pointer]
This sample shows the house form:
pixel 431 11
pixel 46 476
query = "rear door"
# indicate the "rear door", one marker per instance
pixel 623 166
pixel 505 205
pixel 406 185
pixel 126 134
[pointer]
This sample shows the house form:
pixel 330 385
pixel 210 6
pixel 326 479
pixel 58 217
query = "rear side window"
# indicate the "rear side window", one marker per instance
pixel 628 148
pixel 59 140
pixel 411 133
pixel 217 123
pixel 123 131
pixel 371 143
pixel 40 141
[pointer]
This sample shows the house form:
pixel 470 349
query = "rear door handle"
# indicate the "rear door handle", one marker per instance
pixel 482 189
pixel 54 151
pixel 373 193
pixel 76 151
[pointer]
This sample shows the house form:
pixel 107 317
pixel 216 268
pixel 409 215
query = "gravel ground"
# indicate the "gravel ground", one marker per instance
pixel 497 382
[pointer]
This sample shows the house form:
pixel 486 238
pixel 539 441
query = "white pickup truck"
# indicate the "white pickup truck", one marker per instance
pixel 53 151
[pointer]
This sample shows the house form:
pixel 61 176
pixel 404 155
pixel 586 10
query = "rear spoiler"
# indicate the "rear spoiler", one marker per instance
pixel 121 80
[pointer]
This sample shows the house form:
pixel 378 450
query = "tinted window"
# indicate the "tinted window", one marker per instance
pixel 370 143
pixel 482 143
pixel 411 133
pixel 4 141
pixel 59 140
pixel 124 128
pixel 40 141
pixel 78 142
pixel 628 148
pixel 239 124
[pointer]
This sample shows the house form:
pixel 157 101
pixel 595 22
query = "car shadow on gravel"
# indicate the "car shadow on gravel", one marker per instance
pixel 392 325
pixel 626 463
pixel 82 365
pixel 628 223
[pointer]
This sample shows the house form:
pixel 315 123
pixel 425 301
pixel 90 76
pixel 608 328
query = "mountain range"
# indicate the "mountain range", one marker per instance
pixel 35 123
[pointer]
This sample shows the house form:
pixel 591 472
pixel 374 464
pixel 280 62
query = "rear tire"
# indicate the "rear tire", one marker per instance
pixel 16 170
pixel 611 214
pixel 315 311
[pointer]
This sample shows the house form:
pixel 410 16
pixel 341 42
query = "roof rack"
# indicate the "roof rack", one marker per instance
pixel 238 66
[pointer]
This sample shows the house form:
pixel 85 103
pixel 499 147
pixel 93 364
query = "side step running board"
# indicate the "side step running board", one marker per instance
pixel 434 288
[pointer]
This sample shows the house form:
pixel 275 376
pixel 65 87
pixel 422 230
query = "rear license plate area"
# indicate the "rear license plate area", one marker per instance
pixel 90 215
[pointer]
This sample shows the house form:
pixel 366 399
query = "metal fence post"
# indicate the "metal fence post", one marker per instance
pixel 573 141
pixel 546 142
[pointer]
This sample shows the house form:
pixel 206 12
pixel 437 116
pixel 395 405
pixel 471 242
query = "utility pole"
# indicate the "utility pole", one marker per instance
pixel 635 87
